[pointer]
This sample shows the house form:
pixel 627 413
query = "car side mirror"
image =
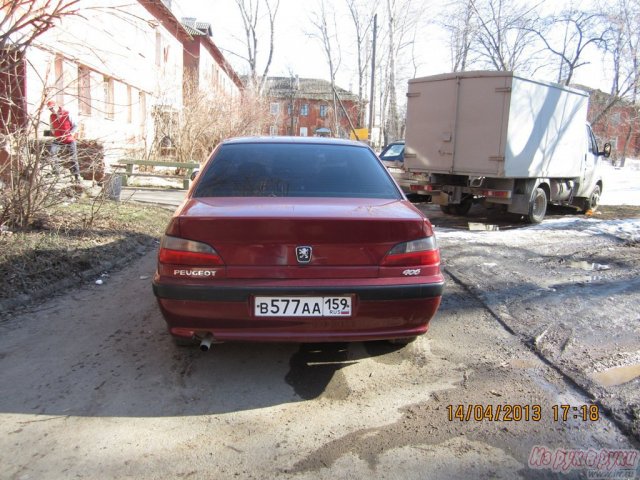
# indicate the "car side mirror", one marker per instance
pixel 607 150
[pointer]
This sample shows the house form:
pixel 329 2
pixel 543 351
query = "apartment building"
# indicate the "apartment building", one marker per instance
pixel 115 66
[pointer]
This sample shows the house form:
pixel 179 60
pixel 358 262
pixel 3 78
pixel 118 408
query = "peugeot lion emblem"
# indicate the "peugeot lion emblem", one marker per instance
pixel 303 254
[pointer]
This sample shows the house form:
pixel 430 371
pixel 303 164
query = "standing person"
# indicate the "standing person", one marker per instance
pixel 62 128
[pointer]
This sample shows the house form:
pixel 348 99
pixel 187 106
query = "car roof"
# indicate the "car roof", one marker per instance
pixel 295 140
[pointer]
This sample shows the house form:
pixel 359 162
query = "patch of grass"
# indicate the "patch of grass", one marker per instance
pixel 71 243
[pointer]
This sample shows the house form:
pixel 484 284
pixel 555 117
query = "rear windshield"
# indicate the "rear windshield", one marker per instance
pixel 294 170
pixel 392 152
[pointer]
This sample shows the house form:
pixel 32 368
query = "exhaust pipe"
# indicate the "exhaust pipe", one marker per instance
pixel 205 344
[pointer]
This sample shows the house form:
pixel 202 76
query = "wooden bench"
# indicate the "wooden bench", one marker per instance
pixel 129 163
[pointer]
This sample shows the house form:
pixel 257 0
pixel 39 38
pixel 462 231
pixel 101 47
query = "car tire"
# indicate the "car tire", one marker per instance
pixel 445 209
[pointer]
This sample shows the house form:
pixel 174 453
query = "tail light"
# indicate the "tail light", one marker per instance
pixel 179 251
pixel 423 251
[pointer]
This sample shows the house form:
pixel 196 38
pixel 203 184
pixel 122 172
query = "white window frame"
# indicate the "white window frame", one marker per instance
pixel 108 86
pixel 60 86
pixel 84 90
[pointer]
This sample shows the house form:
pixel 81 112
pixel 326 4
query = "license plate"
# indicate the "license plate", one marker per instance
pixel 302 306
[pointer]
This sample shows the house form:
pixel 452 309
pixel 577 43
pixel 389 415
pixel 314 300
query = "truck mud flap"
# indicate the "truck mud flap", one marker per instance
pixel 519 204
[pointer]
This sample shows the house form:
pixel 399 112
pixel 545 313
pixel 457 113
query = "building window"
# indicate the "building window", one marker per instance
pixel 129 104
pixel 142 108
pixel 107 85
pixel 158 49
pixel 616 119
pixel 303 132
pixel 323 110
pixel 275 108
pixel 84 90
pixel 215 77
pixel 273 130
pixel 59 68
pixel 304 110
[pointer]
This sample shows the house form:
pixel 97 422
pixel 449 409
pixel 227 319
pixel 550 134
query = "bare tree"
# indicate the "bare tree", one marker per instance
pixel 26 190
pixel 392 127
pixel 503 33
pixel 325 31
pixel 362 17
pixel 251 20
pixel 568 36
pixel 458 20
pixel 25 20
pixel 401 21
pixel 623 48
pixel 208 116
pixel 21 23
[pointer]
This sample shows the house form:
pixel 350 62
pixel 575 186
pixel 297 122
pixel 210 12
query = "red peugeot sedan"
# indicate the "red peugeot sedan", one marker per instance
pixel 294 239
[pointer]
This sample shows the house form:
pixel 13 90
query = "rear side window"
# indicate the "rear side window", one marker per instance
pixel 294 170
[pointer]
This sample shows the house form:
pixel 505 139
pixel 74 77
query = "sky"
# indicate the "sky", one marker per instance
pixel 297 52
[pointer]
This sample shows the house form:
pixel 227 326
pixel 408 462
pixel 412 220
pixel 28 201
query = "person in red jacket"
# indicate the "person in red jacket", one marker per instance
pixel 63 128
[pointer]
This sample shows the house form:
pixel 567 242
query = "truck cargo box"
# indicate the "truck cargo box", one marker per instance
pixel 494 124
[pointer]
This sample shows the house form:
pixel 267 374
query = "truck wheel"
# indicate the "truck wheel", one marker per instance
pixel 592 202
pixel 463 207
pixel 537 206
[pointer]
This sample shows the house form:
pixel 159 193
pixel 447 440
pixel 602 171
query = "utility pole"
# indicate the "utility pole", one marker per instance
pixel 373 76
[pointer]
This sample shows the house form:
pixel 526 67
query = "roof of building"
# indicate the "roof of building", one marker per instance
pixel 310 88
pixel 196 28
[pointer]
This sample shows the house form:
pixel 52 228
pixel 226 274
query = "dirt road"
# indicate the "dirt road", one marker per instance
pixel 92 387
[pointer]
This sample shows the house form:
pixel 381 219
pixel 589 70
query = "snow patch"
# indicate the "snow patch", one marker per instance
pixel 621 186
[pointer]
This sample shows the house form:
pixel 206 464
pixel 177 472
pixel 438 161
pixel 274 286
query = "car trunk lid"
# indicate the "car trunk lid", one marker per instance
pixel 266 237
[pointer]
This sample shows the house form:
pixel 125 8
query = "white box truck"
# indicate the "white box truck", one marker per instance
pixel 508 141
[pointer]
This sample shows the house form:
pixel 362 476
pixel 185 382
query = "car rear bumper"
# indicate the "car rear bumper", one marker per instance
pixel 226 313
pixel 243 294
